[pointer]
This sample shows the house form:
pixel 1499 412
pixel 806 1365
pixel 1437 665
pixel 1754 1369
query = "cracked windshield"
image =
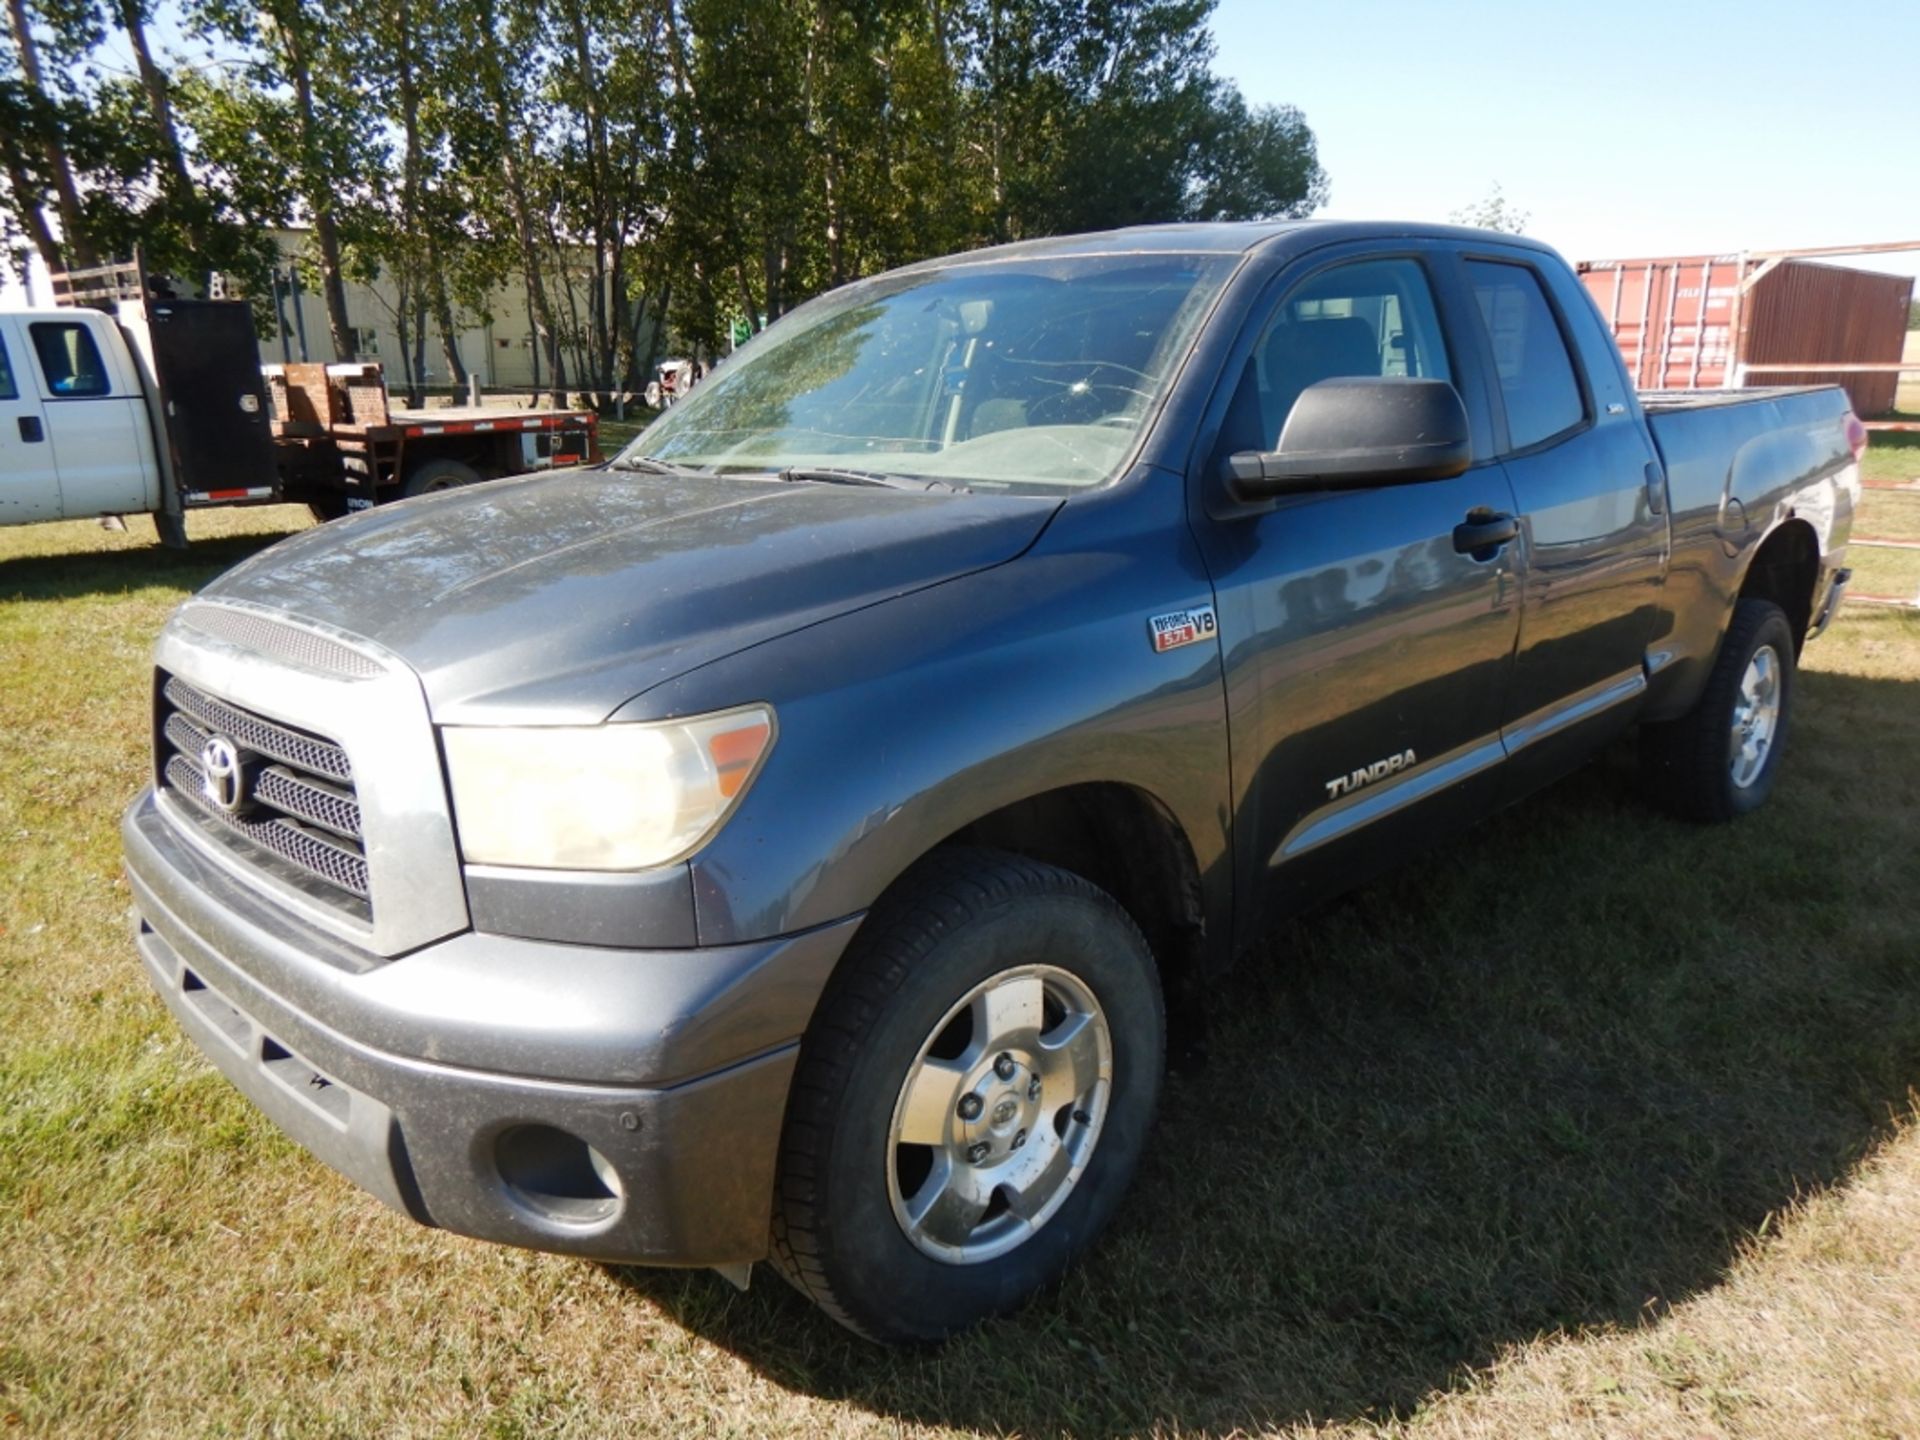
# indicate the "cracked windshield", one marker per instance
pixel 1034 375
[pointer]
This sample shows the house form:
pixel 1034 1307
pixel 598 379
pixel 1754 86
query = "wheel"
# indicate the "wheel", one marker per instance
pixel 439 475
pixel 328 506
pixel 972 1097
pixel 1719 760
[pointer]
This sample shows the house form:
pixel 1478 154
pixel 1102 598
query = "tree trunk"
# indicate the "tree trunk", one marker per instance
pixel 416 394
pixel 80 253
pixel 746 295
pixel 443 319
pixel 173 161
pixel 333 286
pixel 605 225
pixel 27 205
pixel 318 189
pixel 540 315
pixel 533 340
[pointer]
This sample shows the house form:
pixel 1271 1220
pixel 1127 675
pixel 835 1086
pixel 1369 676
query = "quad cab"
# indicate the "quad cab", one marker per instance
pixel 794 840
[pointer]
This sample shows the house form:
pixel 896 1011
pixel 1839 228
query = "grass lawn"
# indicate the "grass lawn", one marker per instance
pixel 1594 1123
pixel 1881 570
pixel 1893 455
pixel 614 434
pixel 1895 515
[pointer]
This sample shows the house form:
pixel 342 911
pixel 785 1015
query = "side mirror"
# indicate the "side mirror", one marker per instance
pixel 1355 432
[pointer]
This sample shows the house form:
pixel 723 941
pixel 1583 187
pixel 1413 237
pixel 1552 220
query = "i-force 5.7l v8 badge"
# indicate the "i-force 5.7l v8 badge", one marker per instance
pixel 1181 627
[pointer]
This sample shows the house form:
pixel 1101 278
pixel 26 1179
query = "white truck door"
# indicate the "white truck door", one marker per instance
pixel 29 484
pixel 95 414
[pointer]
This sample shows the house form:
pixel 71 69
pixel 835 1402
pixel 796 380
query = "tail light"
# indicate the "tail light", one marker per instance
pixel 1856 435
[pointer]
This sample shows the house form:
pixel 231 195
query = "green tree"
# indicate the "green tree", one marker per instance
pixel 37 127
pixel 1493 211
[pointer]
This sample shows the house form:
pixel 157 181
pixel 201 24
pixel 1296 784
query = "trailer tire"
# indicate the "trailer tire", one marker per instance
pixel 439 475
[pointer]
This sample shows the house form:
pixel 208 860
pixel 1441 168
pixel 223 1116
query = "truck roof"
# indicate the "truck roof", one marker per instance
pixel 43 312
pixel 1230 238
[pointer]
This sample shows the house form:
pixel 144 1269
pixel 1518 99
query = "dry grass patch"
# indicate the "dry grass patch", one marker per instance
pixel 1593 1123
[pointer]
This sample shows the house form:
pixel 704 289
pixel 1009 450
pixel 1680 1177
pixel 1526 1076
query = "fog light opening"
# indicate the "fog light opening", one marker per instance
pixel 557 1176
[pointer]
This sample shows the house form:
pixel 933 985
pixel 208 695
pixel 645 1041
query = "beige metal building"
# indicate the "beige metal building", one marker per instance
pixel 500 349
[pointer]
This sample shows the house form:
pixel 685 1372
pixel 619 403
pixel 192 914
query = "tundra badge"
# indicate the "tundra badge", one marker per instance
pixel 1181 627
pixel 1367 774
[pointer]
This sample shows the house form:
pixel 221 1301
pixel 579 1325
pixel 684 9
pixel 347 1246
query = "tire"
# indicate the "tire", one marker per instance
pixel 968 938
pixel 331 506
pixel 439 475
pixel 1720 759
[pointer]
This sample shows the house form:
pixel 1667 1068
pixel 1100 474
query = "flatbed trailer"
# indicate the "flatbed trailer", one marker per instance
pixel 131 400
pixel 344 446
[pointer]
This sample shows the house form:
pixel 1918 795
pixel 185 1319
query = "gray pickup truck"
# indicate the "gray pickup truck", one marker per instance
pixel 793 840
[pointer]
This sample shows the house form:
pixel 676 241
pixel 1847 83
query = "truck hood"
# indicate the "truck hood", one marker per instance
pixel 556 598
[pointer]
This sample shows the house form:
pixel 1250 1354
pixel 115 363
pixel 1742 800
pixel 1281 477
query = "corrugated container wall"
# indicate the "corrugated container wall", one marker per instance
pixel 1684 323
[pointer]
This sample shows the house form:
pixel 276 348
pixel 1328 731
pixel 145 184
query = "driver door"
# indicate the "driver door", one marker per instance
pixel 29 483
pixel 1367 652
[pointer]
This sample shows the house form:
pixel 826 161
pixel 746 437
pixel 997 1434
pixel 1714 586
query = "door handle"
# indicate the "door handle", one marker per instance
pixel 1483 533
pixel 31 430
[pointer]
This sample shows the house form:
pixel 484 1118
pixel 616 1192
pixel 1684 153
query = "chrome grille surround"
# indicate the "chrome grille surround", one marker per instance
pixel 345 755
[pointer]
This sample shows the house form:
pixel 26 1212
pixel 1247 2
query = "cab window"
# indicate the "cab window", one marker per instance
pixel 1537 378
pixel 8 390
pixel 1371 317
pixel 68 359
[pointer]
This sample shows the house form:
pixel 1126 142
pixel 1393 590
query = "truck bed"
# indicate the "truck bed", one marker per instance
pixel 469 414
pixel 1661 401
pixel 1737 463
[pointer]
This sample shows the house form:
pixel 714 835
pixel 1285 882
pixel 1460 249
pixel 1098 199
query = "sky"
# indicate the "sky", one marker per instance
pixel 1626 129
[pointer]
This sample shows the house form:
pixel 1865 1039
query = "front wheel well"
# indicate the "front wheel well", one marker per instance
pixel 1124 840
pixel 1785 570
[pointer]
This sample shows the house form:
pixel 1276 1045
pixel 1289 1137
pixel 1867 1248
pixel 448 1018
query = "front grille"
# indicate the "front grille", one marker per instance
pixel 299 817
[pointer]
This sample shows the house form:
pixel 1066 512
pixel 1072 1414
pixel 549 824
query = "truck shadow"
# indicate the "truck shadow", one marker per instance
pixel 132 565
pixel 1552 1079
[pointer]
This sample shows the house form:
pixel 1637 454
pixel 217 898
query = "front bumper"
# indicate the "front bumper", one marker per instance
pixel 450 1082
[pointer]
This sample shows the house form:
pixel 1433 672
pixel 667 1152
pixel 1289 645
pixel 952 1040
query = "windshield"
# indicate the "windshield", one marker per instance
pixel 1029 375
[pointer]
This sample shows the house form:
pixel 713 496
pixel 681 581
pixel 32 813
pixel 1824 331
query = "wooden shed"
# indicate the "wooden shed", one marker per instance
pixel 1695 322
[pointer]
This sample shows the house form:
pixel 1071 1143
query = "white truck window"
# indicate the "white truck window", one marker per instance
pixel 8 390
pixel 69 360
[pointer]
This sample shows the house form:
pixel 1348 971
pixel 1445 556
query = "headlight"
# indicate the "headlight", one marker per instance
pixel 600 797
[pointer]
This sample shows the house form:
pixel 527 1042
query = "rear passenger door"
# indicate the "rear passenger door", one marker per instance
pixel 1587 486
pixel 29 484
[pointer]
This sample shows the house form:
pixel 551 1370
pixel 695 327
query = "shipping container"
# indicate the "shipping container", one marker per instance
pixel 1698 322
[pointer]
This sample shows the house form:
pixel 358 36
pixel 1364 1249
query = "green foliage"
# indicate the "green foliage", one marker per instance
pixel 1493 212
pixel 629 160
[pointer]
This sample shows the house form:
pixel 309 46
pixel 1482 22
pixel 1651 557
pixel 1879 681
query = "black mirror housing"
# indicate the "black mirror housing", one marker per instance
pixel 1354 432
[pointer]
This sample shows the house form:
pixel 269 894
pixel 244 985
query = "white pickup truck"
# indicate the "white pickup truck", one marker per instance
pixel 74 435
pixel 121 403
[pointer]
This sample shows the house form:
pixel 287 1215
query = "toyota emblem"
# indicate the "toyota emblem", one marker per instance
pixel 226 777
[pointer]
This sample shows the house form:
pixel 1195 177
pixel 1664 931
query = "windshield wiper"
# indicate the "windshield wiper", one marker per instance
pixel 835 475
pixel 650 466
